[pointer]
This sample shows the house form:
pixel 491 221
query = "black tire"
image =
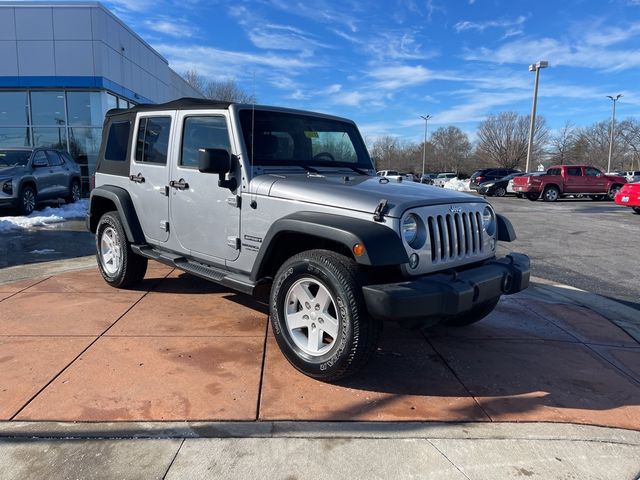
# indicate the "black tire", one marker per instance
pixel 356 333
pixel 500 192
pixel 612 191
pixel 474 315
pixel 551 194
pixel 129 268
pixel 27 200
pixel 519 195
pixel 533 196
pixel 636 210
pixel 74 192
pixel 597 198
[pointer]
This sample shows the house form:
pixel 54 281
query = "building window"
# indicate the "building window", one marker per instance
pixel 47 108
pixel 50 137
pixel 112 102
pixel 14 109
pixel 84 108
pixel 15 137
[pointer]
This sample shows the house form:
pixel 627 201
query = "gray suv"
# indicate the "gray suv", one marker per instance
pixel 30 175
pixel 285 205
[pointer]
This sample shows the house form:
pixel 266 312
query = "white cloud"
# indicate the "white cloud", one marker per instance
pixel 399 76
pixel 482 26
pixel 172 28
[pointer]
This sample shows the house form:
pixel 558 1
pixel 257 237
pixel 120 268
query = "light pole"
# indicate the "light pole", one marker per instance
pixel 613 125
pixel 534 67
pixel 424 145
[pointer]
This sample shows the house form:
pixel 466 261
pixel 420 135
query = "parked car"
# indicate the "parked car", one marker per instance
pixel 631 175
pixel 428 178
pixel 497 187
pixel 392 175
pixel 443 178
pixel 629 196
pixel 283 204
pixel 488 174
pixel 563 180
pixel 31 175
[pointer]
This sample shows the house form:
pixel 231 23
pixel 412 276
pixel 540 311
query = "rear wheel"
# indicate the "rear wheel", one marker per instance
pixel 74 192
pixel 27 200
pixel 636 210
pixel 319 317
pixel 533 196
pixel 118 265
pixel 518 195
pixel 551 194
pixel 473 316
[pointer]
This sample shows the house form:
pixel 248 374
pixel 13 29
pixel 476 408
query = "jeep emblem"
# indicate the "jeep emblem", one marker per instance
pixel 454 209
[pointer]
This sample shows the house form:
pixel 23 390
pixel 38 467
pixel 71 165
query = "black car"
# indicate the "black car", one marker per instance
pixel 497 187
pixel 488 174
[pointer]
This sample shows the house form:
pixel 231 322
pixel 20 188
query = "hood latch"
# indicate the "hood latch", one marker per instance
pixel 381 209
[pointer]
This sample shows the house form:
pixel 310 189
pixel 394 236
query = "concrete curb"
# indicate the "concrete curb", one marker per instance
pixel 290 429
pixel 44 269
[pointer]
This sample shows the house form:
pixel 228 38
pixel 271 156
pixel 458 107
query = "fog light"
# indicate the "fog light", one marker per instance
pixel 414 260
pixel 7 187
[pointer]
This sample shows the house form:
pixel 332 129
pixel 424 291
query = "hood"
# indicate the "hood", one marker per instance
pixel 11 171
pixel 359 192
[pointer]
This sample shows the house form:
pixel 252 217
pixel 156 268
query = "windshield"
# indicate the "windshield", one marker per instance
pixel 11 158
pixel 303 140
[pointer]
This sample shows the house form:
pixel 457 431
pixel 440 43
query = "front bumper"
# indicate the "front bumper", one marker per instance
pixel 485 190
pixel 450 293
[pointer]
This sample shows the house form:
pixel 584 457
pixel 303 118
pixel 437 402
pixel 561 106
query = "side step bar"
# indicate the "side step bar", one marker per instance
pixel 235 281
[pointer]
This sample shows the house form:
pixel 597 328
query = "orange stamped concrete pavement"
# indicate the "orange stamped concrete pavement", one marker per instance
pixel 180 348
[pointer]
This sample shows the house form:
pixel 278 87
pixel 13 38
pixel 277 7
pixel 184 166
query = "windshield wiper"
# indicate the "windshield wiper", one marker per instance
pixel 356 169
pixel 307 168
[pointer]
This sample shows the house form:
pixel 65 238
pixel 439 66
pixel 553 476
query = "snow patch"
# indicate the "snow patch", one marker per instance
pixel 46 216
pixel 458 185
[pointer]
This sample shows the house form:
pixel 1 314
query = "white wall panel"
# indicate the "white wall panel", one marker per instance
pixel 9 56
pixel 100 59
pixel 36 58
pixel 71 23
pixel 74 57
pixel 35 23
pixel 99 24
pixel 7 24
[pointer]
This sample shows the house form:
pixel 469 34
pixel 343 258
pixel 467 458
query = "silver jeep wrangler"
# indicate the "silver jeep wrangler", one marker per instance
pixel 285 205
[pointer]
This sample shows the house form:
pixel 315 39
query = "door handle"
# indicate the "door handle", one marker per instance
pixel 137 178
pixel 179 184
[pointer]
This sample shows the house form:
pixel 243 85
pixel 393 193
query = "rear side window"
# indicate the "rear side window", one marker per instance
pixel 553 171
pixel 574 171
pixel 202 132
pixel 54 159
pixel 117 140
pixel 153 140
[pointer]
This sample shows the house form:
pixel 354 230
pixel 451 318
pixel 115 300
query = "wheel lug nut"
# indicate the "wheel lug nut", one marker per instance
pixel 305 317
pixel 317 306
pixel 313 326
pixel 321 320
pixel 307 306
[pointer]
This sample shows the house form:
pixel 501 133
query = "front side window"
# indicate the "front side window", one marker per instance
pixel 592 172
pixel 574 171
pixel 279 138
pixel 202 132
pixel 553 171
pixel 40 158
pixel 153 140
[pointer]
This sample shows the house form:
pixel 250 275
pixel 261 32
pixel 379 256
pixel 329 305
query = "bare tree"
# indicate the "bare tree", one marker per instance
pixel 629 131
pixel 224 90
pixel 562 142
pixel 451 148
pixel 503 139
pixel 385 151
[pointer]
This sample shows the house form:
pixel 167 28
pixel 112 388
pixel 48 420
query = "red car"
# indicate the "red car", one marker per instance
pixel 629 196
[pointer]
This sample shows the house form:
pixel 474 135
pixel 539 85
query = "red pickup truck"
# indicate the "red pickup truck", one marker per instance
pixel 563 180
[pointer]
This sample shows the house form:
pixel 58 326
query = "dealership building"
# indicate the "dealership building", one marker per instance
pixel 63 65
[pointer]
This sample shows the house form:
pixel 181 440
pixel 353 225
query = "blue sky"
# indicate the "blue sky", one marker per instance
pixel 385 63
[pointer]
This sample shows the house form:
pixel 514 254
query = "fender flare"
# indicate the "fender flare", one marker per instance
pixel 122 201
pixel 383 246
pixel 506 232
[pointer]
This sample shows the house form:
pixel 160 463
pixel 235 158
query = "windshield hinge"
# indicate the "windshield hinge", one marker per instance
pixel 381 209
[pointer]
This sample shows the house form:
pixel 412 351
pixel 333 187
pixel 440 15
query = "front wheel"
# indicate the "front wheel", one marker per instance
pixel 518 195
pixel 118 265
pixel 319 317
pixel 636 210
pixel 27 200
pixel 473 316
pixel 613 191
pixel 596 198
pixel 500 192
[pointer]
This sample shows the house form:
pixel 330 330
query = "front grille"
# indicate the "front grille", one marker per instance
pixel 454 236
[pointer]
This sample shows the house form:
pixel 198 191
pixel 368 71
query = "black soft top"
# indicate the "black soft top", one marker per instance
pixel 179 104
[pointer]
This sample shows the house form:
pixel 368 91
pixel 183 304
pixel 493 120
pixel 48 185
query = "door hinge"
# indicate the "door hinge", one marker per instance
pixel 234 201
pixel 233 242
pixel 164 225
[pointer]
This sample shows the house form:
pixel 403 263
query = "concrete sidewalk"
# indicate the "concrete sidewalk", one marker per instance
pixel 179 349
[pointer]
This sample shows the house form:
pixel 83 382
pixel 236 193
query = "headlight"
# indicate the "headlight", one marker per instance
pixel 410 228
pixel 490 184
pixel 489 221
pixel 7 186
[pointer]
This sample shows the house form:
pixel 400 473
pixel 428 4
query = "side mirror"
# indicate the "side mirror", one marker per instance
pixel 214 160
pixel 37 163
pixel 217 160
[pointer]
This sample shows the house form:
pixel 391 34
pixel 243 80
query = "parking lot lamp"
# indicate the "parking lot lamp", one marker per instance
pixel 613 125
pixel 424 145
pixel 534 67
